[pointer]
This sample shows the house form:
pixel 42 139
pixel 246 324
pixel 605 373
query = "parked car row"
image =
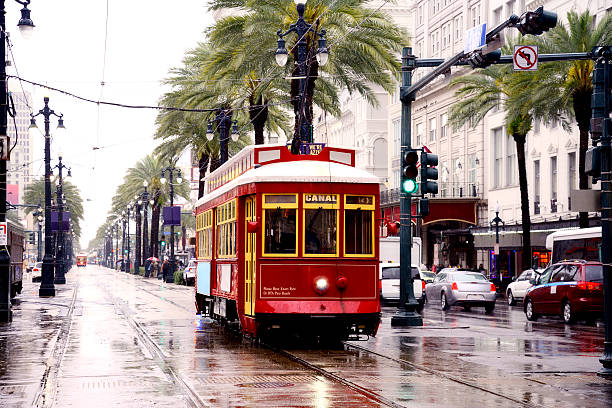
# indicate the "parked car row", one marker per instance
pixel 570 289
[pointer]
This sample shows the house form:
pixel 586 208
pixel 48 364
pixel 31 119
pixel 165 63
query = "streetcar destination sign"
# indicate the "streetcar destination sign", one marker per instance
pixel 321 198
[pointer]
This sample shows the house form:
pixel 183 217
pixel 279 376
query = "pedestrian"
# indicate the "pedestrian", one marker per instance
pixel 154 272
pixel 167 271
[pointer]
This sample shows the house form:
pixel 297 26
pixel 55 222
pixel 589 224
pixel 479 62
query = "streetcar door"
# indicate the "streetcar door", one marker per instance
pixel 249 257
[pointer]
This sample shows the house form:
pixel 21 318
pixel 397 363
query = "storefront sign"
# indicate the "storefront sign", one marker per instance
pixel 321 198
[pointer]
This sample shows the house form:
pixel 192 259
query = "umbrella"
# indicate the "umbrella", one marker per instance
pixel 153 259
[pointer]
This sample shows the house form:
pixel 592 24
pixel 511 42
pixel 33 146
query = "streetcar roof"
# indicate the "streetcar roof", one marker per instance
pixel 303 171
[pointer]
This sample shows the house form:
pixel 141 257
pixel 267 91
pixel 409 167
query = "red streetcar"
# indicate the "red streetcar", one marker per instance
pixel 290 243
pixel 81 260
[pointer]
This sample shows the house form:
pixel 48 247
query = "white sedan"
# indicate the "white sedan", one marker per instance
pixel 517 288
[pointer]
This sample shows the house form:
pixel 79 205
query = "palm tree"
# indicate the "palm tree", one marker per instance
pixel 35 194
pixel 481 92
pixel 347 22
pixel 148 169
pixel 560 90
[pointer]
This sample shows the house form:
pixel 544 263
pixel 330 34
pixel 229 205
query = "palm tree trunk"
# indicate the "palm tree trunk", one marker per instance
pixel 525 217
pixel 202 166
pixel 582 110
pixel 258 113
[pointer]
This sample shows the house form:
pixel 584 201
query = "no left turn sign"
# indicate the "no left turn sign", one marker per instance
pixel 525 57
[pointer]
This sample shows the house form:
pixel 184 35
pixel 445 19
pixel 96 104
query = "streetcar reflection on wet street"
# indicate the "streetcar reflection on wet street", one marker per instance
pixel 113 339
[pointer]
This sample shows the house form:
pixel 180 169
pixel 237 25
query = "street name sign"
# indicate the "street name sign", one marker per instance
pixel 525 58
pixel 475 37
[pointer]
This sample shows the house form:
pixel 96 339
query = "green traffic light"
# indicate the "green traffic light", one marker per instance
pixel 410 186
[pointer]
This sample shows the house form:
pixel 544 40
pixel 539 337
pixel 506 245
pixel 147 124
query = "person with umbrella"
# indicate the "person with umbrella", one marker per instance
pixel 151 266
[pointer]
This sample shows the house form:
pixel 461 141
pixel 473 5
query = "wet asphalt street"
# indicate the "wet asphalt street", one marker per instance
pixel 109 339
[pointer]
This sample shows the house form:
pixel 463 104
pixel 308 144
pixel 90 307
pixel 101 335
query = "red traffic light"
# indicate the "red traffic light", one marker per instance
pixel 411 158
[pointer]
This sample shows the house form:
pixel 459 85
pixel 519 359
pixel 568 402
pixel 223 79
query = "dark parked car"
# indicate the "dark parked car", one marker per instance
pixel 569 289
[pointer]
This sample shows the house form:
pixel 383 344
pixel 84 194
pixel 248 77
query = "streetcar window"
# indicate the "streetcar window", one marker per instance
pixel 358 234
pixel 280 231
pixel 359 225
pixel 320 231
pixel 280 199
pixel 226 230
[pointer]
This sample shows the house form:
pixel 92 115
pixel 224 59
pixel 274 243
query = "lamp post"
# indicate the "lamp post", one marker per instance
pixel 25 26
pixel 60 261
pixel 497 221
pixel 303 58
pixel 38 216
pixel 46 287
pixel 223 119
pixel 145 245
pixel 171 170
pixel 116 260
pixel 128 267
pixel 123 221
pixel 137 241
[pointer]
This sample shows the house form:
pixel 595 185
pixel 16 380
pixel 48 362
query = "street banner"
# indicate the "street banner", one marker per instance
pixel 172 215
pixel 55 221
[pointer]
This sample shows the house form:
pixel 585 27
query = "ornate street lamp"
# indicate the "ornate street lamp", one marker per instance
pixel 47 287
pixel 25 27
pixel 171 170
pixel 302 28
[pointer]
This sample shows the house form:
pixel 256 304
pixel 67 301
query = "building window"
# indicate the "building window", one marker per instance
pixel 396 137
pixel 420 16
pixel 432 130
pixel 472 168
pixel 458 28
pixel 475 15
pixel 536 125
pixel 511 160
pixel 420 49
pixel 443 125
pixel 419 134
pixel 510 8
pixel 396 179
pixel 553 184
pixel 497 16
pixel 536 186
pixel 498 157
pixel 571 166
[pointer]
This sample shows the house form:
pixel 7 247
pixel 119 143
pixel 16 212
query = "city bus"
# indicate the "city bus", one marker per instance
pixel 577 243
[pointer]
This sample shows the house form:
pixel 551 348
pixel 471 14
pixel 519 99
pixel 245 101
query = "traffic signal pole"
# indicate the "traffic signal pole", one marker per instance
pixel 531 22
pixel 406 314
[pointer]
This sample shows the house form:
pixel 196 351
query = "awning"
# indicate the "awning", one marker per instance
pixel 463 210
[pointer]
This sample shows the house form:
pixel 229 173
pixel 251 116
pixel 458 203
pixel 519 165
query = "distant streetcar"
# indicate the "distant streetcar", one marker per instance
pixel 81 260
pixel 290 243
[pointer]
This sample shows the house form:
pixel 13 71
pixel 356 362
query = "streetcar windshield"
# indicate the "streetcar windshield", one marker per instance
pixel 280 231
pixel 320 231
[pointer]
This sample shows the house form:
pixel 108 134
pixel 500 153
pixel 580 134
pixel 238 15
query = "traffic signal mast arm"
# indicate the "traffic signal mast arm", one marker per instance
pixel 530 22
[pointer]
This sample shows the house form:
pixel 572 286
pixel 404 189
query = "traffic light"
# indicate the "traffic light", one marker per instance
pixel 162 243
pixel 428 172
pixel 536 22
pixel 32 238
pixel 480 60
pixel 410 172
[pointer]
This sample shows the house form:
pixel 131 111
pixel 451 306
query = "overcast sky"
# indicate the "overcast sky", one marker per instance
pixel 145 39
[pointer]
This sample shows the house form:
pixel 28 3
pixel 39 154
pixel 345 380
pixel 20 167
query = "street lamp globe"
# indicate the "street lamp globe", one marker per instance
pixel 281 54
pixel 210 132
pixel 25 24
pixel 235 134
pixel 145 183
pixel 162 180
pixel 61 129
pixel 179 179
pixel 151 201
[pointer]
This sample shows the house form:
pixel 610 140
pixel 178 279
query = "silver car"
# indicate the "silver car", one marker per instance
pixel 461 288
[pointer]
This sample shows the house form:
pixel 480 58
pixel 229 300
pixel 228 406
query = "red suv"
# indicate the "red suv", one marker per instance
pixel 569 289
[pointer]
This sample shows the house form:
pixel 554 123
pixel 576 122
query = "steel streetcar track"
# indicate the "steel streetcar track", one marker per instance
pixel 329 375
pixel 441 374
pixel 191 397
pixel 45 397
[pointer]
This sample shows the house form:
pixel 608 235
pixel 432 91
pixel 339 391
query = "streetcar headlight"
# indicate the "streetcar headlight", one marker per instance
pixel 321 284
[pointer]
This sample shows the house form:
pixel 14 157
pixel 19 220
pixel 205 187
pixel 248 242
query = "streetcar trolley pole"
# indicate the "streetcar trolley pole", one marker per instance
pixel 530 22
